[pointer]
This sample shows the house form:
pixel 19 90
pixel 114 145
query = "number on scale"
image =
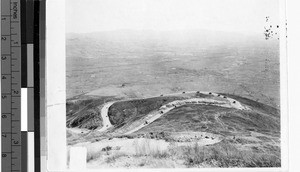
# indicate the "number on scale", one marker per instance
pixel 3 38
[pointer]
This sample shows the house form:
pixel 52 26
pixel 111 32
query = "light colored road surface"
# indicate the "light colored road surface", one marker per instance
pixel 104 114
pixel 152 116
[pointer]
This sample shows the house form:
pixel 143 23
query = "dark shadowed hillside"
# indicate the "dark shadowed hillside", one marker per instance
pixel 83 112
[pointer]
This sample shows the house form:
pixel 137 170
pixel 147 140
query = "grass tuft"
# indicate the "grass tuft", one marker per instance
pixel 226 155
pixel 146 147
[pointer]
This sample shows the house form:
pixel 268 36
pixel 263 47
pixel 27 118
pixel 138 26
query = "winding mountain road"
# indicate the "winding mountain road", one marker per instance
pixel 152 116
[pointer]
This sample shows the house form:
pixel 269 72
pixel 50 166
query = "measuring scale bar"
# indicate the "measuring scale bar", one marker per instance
pixel 10 85
pixel 22 26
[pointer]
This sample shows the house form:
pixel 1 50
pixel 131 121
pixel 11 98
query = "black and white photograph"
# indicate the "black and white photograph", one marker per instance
pixel 174 83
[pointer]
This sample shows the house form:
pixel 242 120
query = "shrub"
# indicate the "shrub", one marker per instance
pixel 107 148
pixel 113 158
pixel 92 155
pixel 194 155
pixel 160 154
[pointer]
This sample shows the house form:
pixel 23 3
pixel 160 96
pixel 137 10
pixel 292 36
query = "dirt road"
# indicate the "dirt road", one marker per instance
pixel 152 116
pixel 104 114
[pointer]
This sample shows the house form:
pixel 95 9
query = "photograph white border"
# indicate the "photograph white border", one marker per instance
pixel 55 86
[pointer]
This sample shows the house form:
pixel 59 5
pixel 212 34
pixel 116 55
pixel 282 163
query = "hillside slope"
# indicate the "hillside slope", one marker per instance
pixel 207 133
pixel 83 112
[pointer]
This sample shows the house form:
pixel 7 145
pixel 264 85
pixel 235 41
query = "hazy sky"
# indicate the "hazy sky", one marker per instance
pixel 225 15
